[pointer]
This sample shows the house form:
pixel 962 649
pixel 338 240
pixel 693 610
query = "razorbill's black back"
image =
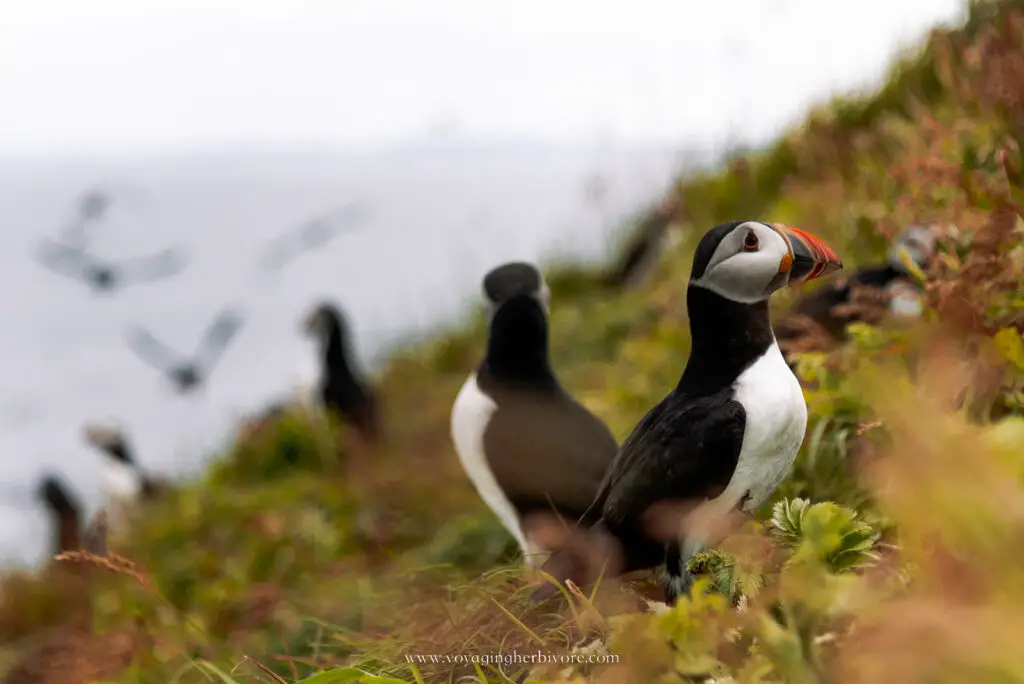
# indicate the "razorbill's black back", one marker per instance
pixel 342 389
pixel 728 433
pixel 524 442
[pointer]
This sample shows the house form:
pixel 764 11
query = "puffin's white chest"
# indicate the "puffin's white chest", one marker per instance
pixel 776 418
pixel 470 415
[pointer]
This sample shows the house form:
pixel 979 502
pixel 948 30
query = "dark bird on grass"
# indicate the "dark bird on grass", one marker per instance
pixel 188 374
pixel 818 321
pixel 525 443
pixel 105 275
pixel 313 234
pixel 724 438
pixel 641 251
pixel 65 512
pixel 343 390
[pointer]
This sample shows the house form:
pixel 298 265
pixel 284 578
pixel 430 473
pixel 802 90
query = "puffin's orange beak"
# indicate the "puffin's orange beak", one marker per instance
pixel 809 257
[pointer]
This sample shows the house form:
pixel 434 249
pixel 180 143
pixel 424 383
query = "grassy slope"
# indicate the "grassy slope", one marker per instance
pixel 305 564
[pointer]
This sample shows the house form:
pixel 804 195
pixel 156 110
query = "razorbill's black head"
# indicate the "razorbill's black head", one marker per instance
pixel 526 445
pixel 727 434
pixel 512 279
pixel 66 513
pixel 342 389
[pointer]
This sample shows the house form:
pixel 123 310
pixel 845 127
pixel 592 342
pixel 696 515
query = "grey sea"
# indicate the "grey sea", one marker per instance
pixel 438 217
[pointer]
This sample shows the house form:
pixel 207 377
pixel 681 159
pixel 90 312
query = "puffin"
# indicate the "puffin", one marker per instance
pixel 819 319
pixel 65 511
pixel 527 446
pixel 125 482
pixel 724 438
pixel 105 275
pixel 188 374
pixel 343 391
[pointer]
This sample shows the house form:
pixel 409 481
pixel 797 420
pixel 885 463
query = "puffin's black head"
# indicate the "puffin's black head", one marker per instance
pixel 110 440
pixel 513 279
pixel 58 499
pixel 746 261
pixel 917 244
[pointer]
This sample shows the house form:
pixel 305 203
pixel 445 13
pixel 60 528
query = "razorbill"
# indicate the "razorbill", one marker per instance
pixel 825 308
pixel 188 374
pixel 106 275
pixel 343 390
pixel 728 433
pixel 524 442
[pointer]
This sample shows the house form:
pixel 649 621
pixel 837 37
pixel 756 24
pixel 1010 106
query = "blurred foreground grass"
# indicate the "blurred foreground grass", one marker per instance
pixel 891 553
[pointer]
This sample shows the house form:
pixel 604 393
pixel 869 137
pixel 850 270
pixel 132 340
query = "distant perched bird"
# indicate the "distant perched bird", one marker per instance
pixel 818 321
pixel 188 374
pixel 106 275
pixel 66 513
pixel 728 433
pixel 312 234
pixel 124 479
pixel 525 443
pixel 342 388
pixel 644 246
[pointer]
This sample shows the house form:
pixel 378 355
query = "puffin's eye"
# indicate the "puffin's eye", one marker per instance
pixel 750 242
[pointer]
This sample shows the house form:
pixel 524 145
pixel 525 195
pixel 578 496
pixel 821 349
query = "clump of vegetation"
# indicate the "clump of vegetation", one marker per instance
pixel 888 555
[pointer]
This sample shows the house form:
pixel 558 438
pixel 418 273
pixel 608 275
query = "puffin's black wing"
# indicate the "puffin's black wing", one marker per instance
pixel 63 259
pixel 217 337
pixel 681 450
pixel 155 266
pixel 153 351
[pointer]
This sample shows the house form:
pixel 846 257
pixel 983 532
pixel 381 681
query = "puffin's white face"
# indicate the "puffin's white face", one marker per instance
pixel 752 260
pixel 918 244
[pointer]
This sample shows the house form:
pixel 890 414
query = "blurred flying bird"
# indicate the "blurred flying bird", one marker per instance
pixel 724 438
pixel 107 275
pixel 342 389
pixel 524 442
pixel 188 374
pixel 310 235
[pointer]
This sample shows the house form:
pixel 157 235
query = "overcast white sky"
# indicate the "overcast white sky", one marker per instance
pixel 139 74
